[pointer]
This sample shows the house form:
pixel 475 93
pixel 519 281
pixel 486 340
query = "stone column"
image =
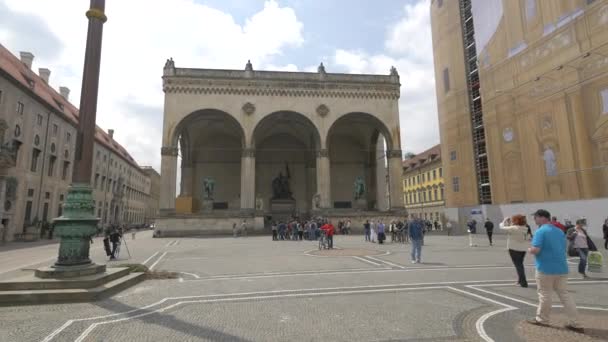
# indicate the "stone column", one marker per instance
pixel 324 178
pixel 168 175
pixel 583 145
pixel 248 179
pixel 395 175
pixel 187 188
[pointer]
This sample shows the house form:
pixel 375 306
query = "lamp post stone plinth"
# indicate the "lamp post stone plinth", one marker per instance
pixel 78 223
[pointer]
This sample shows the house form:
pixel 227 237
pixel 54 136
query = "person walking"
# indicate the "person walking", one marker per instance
pixel 416 235
pixel 300 231
pixel 472 224
pixel 605 229
pixel 367 231
pixel 517 244
pixel 549 247
pixel 235 231
pixel 558 224
pixel 579 239
pixel 489 229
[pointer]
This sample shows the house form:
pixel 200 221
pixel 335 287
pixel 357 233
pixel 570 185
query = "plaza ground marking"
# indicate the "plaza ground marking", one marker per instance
pixel 434 284
pixel 480 322
pixel 367 261
pixel 150 258
pixel 205 301
pixel 190 274
pixel 344 270
pixel 386 262
pixel 158 260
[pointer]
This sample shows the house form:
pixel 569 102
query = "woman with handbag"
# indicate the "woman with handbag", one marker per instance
pixel 582 243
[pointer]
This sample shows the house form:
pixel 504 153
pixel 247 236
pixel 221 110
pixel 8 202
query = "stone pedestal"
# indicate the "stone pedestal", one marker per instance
pixel 207 205
pixel 186 205
pixel 360 204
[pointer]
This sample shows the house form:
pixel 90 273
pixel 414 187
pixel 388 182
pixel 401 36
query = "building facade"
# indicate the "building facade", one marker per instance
pixel 423 185
pixel 38 125
pixel 522 93
pixel 264 146
pixel 154 197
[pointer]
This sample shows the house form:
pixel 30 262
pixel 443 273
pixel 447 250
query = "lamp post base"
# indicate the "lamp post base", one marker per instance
pixel 75 228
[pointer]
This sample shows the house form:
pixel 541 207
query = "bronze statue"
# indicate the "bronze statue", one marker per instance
pixel 280 185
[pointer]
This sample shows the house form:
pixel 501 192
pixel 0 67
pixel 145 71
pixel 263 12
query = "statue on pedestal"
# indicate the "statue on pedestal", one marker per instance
pixel 208 188
pixel 280 185
pixel 359 188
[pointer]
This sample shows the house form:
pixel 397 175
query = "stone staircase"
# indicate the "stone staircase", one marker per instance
pixel 30 289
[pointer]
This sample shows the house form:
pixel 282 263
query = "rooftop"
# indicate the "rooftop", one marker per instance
pixel 422 159
pixel 28 79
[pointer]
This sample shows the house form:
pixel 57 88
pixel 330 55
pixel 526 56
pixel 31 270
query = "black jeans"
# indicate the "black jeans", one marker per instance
pixel 274 235
pixel 606 243
pixel 490 235
pixel 330 241
pixel 518 261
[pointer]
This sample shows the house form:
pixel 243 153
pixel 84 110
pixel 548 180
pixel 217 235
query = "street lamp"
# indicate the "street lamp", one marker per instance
pixel 78 223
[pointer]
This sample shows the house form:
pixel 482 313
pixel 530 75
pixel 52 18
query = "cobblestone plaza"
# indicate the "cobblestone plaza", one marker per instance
pixel 254 289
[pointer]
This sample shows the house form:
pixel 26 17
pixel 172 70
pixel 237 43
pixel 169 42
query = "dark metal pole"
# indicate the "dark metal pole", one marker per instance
pixel 78 223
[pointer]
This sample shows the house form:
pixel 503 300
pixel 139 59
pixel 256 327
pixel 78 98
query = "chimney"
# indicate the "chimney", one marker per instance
pixel 65 92
pixel 111 133
pixel 27 58
pixel 44 74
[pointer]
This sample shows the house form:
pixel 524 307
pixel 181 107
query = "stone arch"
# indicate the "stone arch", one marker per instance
pixel 378 124
pixel 295 119
pixel 201 114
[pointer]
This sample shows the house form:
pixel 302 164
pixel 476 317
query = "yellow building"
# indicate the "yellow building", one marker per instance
pixel 522 93
pixel 423 192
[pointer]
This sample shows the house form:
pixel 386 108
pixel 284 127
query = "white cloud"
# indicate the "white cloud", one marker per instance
pixel 409 49
pixel 137 42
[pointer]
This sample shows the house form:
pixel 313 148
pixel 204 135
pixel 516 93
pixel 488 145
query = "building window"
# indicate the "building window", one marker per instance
pixel 0 96
pixel 30 192
pixel 66 169
pixel 103 182
pixel 52 160
pixel 424 196
pixel 423 178
pixel 55 129
pixel 456 184
pixel 530 9
pixel 440 172
pixel 453 155
pixel 96 181
pixel 20 108
pixel 35 155
pixel 47 195
pixel 604 95
pixel 45 212
pixel 441 192
pixel 61 197
pixel 446 79
pixel 28 212
pixel 434 174
pixel 418 179
pixel 68 136
pixel 39 119
pixel 435 193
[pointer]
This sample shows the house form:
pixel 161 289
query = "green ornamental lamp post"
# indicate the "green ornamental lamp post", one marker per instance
pixel 78 223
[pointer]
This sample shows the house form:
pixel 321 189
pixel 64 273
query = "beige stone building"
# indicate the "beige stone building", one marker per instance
pixel 264 146
pixel 154 194
pixel 522 94
pixel 39 125
pixel 423 185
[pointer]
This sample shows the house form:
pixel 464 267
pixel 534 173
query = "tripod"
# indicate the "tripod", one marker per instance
pixel 127 247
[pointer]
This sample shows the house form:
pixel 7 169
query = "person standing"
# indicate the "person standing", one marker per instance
pixel 517 244
pixel 579 239
pixel 329 230
pixel 489 229
pixel 367 231
pixel 274 231
pixel 115 240
pixel 234 230
pixel 381 232
pixel 472 224
pixel 448 227
pixel 244 228
pixel 373 231
pixel 416 235
pixel 605 229
pixel 300 231
pixel 348 223
pixel 549 247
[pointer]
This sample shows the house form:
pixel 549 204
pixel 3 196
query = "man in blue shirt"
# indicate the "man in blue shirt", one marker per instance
pixel 549 247
pixel 416 235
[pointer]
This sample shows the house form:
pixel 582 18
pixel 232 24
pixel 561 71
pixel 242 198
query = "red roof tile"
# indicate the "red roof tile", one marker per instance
pixel 421 158
pixel 11 65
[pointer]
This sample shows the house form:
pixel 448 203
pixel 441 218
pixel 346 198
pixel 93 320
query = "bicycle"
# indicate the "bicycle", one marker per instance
pixel 323 241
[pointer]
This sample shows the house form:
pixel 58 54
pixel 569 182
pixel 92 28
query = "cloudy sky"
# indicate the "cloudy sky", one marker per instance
pixel 358 36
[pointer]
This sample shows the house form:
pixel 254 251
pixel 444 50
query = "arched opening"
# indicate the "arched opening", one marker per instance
pixel 210 144
pixel 286 145
pixel 357 144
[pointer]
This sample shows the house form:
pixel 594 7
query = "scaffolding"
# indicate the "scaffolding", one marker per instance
pixel 479 137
